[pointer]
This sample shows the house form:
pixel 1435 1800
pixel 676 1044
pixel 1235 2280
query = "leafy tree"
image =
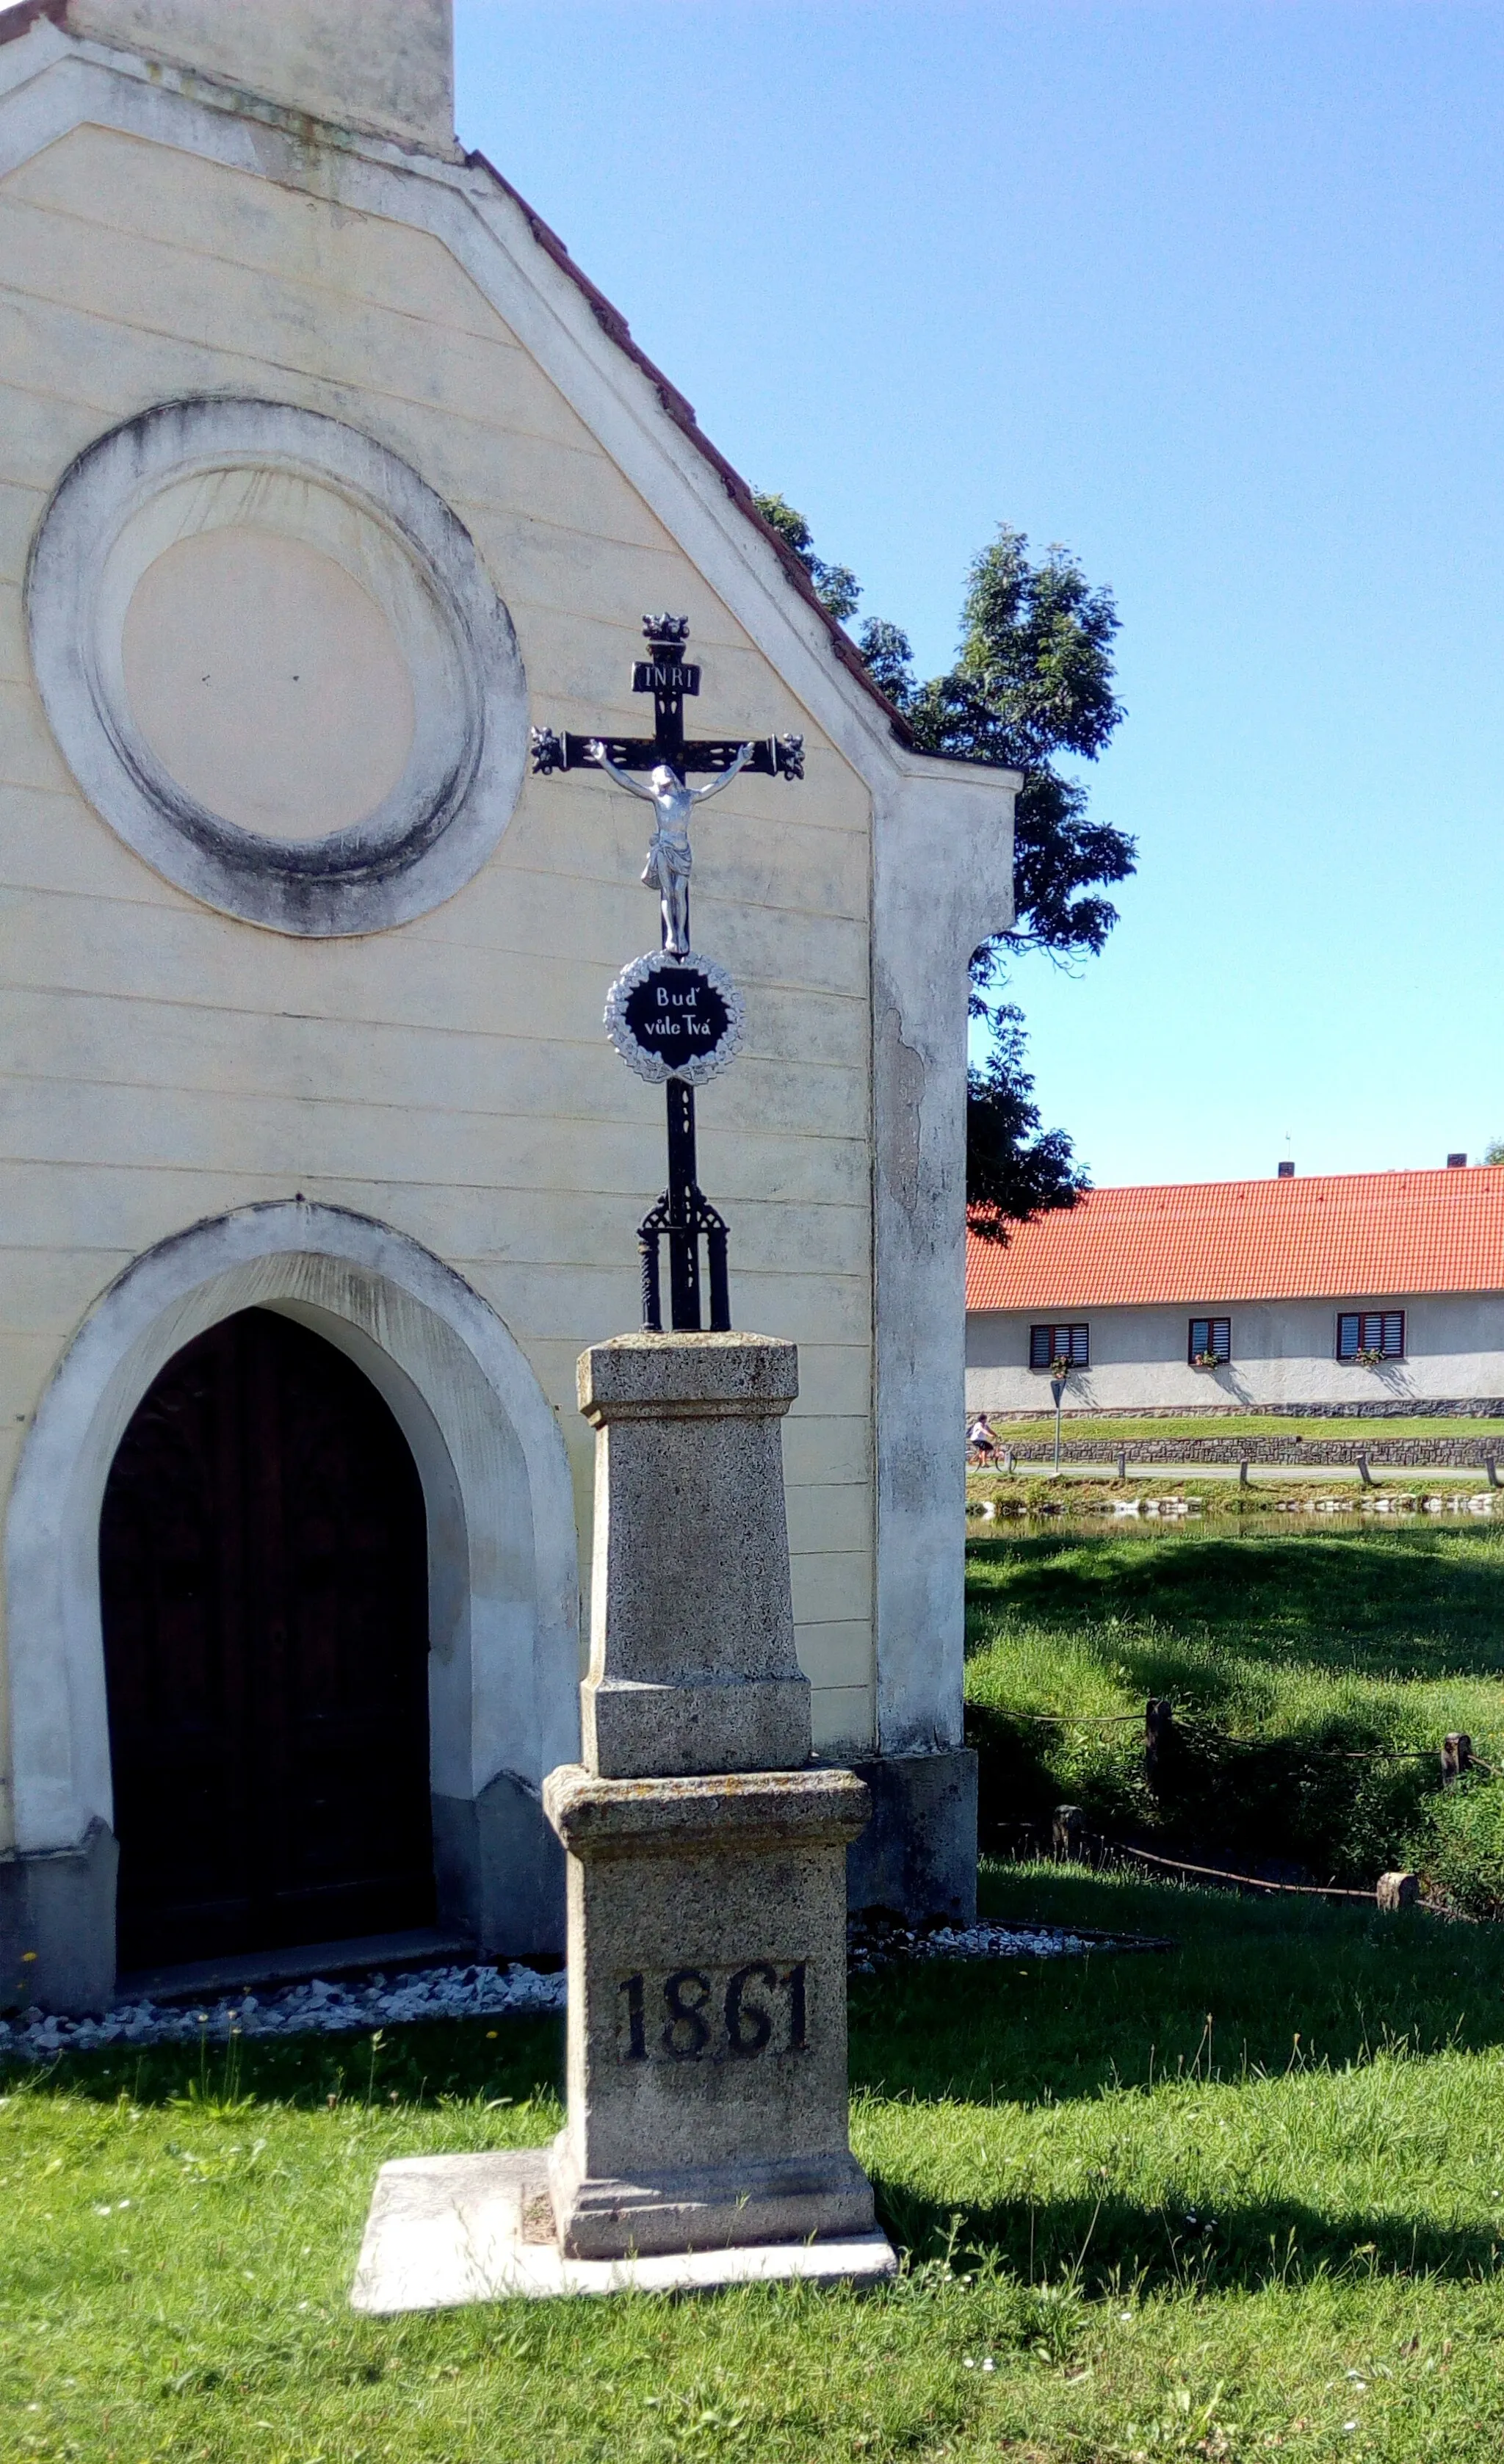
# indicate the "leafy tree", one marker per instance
pixel 1493 1152
pixel 1032 680
pixel 836 586
pixel 1014 1169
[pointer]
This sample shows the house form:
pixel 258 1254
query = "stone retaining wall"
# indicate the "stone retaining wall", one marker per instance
pixel 1393 1407
pixel 1459 1454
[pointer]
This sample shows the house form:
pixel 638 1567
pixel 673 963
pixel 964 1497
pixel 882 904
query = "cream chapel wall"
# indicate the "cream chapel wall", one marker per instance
pixel 165 1063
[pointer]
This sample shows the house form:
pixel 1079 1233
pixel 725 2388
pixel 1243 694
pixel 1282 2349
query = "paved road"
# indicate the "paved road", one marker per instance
pixel 1422 1477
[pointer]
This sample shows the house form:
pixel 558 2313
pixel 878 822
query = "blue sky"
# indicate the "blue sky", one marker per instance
pixel 1211 293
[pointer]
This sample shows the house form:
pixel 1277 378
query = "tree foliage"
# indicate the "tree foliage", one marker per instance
pixel 1014 1169
pixel 836 586
pixel 1032 681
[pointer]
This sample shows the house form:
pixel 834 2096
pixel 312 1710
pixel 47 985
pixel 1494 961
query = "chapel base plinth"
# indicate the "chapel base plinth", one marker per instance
pixel 707 2081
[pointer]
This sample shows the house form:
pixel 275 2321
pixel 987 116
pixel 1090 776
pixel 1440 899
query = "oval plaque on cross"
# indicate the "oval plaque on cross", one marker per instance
pixel 674 1018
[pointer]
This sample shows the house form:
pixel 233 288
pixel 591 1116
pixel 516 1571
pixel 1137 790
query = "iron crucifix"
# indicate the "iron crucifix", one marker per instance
pixel 688 1000
pixel 671 679
pixel 669 857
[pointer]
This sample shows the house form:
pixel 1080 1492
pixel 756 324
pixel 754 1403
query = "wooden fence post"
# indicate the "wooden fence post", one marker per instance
pixel 1161 1741
pixel 1456 1756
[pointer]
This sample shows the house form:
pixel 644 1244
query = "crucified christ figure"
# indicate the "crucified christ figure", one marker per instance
pixel 669 858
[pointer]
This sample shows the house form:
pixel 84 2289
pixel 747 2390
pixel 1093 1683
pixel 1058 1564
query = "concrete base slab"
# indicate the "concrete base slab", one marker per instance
pixel 444 2231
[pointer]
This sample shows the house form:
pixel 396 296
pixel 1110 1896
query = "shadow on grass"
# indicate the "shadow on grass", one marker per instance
pixel 1331 1814
pixel 1346 1981
pixel 1252 1988
pixel 1375 1603
pixel 1116 2242
pixel 519 2058
pixel 1277 1980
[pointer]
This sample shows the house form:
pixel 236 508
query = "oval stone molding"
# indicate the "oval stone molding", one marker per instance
pixel 276 665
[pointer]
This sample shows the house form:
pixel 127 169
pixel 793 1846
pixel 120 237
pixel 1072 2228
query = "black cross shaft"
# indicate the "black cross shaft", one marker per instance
pixel 683 1211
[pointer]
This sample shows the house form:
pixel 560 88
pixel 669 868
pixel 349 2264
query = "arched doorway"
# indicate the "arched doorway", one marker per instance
pixel 263 1574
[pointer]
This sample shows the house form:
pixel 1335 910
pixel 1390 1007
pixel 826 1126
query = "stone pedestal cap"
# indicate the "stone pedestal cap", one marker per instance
pixel 669 1376
pixel 740 1812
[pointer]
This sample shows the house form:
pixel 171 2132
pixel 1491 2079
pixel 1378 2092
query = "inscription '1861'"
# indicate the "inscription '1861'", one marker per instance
pixel 714 2013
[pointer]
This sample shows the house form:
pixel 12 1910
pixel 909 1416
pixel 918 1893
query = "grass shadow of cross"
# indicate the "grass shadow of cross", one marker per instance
pixel 1286 1982
pixel 1296 2091
pixel 1107 2244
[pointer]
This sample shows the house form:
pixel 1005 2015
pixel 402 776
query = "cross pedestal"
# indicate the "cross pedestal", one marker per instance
pixel 707 2079
pixel 706 2140
pixel 707 2073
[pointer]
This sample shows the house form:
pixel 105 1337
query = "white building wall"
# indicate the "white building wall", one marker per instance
pixel 1283 1352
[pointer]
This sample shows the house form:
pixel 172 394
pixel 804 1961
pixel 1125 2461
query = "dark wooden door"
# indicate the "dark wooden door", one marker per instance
pixel 263 1570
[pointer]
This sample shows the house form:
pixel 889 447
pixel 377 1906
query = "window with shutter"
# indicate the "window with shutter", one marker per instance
pixel 1376 1333
pixel 1211 1338
pixel 1047 1344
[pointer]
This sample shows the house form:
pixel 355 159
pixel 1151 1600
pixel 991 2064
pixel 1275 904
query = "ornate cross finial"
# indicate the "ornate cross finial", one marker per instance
pixel 671 679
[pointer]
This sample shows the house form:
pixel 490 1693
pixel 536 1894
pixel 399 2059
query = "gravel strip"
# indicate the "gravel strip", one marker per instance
pixel 316 2008
pixel 873 1949
pixel 321 2008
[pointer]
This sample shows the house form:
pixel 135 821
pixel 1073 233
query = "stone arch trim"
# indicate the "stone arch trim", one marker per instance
pixel 505 1584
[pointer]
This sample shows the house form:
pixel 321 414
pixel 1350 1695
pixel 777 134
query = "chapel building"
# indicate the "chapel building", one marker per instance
pixel 325 476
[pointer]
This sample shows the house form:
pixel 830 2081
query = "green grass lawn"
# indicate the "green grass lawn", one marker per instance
pixel 1240 1425
pixel 1221 2202
pixel 1239 2199
pixel 1309 1640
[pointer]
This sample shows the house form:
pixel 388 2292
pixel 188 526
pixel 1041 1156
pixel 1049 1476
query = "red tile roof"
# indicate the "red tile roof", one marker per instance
pixel 19 20
pixel 1352 1235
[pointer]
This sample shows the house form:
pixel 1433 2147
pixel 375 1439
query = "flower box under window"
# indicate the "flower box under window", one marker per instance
pixel 1209 1343
pixel 1369 1337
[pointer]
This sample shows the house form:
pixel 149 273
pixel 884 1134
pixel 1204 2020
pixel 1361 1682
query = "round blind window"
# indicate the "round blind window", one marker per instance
pixel 277 667
pixel 268 684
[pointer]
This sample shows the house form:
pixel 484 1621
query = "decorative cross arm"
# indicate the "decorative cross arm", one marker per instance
pixel 773 757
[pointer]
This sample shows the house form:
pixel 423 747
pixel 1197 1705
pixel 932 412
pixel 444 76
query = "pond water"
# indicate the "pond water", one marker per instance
pixel 1223 1524
pixel 992 1519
